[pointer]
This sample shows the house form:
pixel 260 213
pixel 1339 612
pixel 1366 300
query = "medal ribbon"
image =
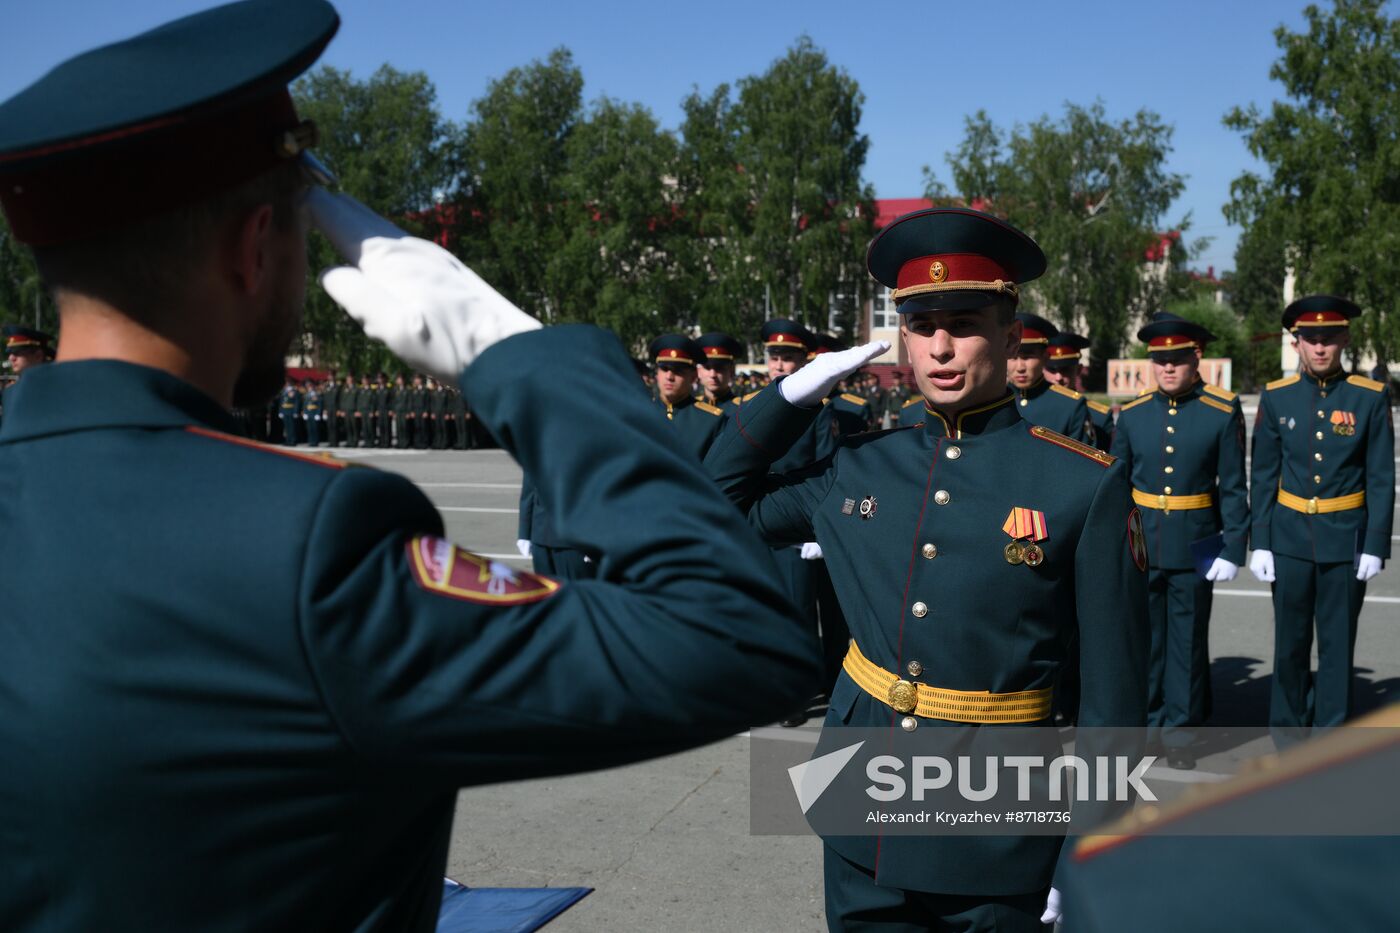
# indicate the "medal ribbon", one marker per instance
pixel 1026 523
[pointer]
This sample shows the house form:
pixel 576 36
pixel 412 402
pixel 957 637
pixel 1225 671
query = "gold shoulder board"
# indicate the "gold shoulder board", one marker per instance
pixel 1069 443
pixel 916 400
pixel 1365 383
pixel 853 399
pixel 1135 403
pixel 1099 407
pixel 1280 383
pixel 1054 387
pixel 1218 392
pixel 707 407
pixel 1217 405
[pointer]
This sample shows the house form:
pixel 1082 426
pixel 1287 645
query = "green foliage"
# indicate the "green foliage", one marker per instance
pixel 1333 153
pixel 1256 293
pixel 23 299
pixel 1093 193
pixel 387 143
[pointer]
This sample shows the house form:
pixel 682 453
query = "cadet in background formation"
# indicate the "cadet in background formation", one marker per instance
pixel 1323 500
pixel 330 401
pixel 438 414
pixel 1009 564
pixel 289 408
pixel 286 755
pixel 25 348
pixel 716 370
pixel 1041 401
pixel 311 411
pixel 851 413
pixel 695 423
pixel 1062 369
pixel 1183 449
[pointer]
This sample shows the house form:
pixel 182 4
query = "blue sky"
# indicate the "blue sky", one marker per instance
pixel 922 66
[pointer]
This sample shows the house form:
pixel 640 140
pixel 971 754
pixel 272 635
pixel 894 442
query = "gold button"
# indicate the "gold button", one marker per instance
pixel 1167 490
pixel 1171 430
pixel 1171 411
pixel 1171 449
pixel 908 724
pixel 1323 394
pixel 1170 470
pixel 930 551
pixel 1024 402
pixel 919 609
pixel 941 497
pixel 1319 413
pixel 1317 479
pixel 954 453
pixel 915 668
pixel 1317 457
pixel 1319 435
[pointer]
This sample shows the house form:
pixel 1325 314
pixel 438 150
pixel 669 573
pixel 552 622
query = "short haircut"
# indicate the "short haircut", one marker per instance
pixel 142 269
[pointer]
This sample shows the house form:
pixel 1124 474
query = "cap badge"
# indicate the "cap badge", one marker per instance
pixel 937 271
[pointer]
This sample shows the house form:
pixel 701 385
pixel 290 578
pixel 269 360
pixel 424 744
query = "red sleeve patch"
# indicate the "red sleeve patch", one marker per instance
pixel 1137 540
pixel 441 567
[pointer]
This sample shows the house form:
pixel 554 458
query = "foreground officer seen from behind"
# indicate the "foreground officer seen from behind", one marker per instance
pixel 960 568
pixel 286 756
pixel 1323 498
pixel 1184 452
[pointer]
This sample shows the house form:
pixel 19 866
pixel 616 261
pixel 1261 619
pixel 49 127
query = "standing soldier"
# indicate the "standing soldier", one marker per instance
pixel 960 570
pixel 350 402
pixel 1184 452
pixel 1323 475
pixel 26 348
pixel 330 405
pixel 384 398
pixel 896 399
pixel 851 413
pixel 1043 402
pixel 400 404
pixel 439 410
pixel 716 370
pixel 311 409
pixel 289 406
pixel 1062 368
pixel 370 394
pixel 696 424
pixel 462 418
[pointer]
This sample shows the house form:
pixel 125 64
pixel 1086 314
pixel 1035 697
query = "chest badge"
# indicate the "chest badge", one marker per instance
pixel 867 507
pixel 1025 527
pixel 848 507
pixel 1343 423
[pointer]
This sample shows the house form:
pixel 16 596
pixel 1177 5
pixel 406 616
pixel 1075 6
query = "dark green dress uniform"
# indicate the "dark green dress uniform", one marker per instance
pixel 911 412
pixel 1044 403
pixel 695 424
pixel 401 403
pixel 439 413
pixel 311 409
pixel 853 413
pixel 722 349
pixel 289 409
pixel 330 399
pixel 1062 355
pixel 1323 481
pixel 462 420
pixel 1185 457
pixel 1115 880
pixel 914 526
pixel 385 398
pixel 356 413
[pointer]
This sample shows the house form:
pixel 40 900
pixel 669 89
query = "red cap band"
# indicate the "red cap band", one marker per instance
pixel 950 267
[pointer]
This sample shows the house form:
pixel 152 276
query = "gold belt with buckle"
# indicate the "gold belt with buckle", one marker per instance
pixel 1168 503
pixel 937 703
pixel 1316 506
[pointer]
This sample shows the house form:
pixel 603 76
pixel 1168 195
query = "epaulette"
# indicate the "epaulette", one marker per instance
pixel 1135 403
pixel 1069 443
pixel 1056 387
pixel 1218 392
pixel 1338 747
pixel 853 399
pixel 916 400
pixel 1365 383
pixel 708 408
pixel 1280 383
pixel 323 458
pixel 1146 392
pixel 1099 407
pixel 749 396
pixel 1217 405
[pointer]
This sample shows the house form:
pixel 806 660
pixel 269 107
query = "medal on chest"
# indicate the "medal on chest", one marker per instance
pixel 1025 527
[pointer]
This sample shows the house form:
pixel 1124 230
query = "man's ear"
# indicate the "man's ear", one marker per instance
pixel 252 249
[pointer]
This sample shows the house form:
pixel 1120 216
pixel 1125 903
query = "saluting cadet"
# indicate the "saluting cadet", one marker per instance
pixel 286 755
pixel 289 406
pixel 696 424
pixel 959 568
pixel 1041 401
pixel 1323 500
pixel 716 370
pixel 1184 452
pixel 1062 369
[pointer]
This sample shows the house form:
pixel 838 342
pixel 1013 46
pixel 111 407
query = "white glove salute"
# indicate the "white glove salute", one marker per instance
pixel 1222 570
pixel 809 385
pixel 434 313
pixel 1261 564
pixel 1367 567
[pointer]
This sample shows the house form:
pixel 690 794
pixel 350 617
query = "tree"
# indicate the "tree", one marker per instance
pixel 23 299
pixel 1256 294
pixel 1332 192
pixel 1093 193
pixel 387 143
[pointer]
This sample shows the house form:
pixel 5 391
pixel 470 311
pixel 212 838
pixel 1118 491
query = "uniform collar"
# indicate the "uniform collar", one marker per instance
pixel 92 394
pixel 981 420
pixel 685 402
pixel 1325 381
pixel 1034 390
pixel 1191 392
pixel 722 398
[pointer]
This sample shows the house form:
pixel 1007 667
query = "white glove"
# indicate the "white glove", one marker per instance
pixel 1052 908
pixel 809 385
pixel 1261 564
pixel 1222 570
pixel 1366 567
pixel 433 312
pixel 523 546
pixel 811 551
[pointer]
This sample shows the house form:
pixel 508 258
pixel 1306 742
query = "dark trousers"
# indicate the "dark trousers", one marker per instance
pixel 313 430
pixel 562 563
pixel 856 904
pixel 385 429
pixel 836 635
pixel 352 429
pixel 1331 594
pixel 289 430
pixel 421 426
pixel 333 430
pixel 439 424
pixel 401 430
pixel 464 433
pixel 1178 667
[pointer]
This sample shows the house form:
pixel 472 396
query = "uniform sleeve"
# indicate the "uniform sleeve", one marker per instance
pixel 1266 460
pixel 1232 488
pixel 779 506
pixel 1083 428
pixel 1380 479
pixel 437 663
pixel 527 508
pixel 716 430
pixel 1123 449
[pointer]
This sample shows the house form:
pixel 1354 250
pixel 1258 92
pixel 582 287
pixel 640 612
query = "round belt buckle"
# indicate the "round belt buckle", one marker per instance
pixel 904 696
pixel 1312 506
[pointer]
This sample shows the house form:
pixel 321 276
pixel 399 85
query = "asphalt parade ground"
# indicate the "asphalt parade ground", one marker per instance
pixel 666 843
